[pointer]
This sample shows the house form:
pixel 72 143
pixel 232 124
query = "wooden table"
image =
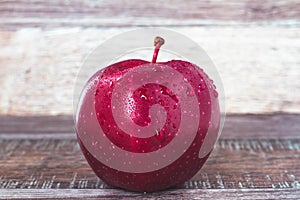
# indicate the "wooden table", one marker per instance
pixel 257 157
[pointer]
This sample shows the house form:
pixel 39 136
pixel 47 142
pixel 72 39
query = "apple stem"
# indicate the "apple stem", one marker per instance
pixel 158 42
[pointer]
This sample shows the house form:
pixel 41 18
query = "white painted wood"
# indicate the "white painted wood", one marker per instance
pixel 128 13
pixel 259 66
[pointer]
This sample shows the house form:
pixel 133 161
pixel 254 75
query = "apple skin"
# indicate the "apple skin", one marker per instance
pixel 95 110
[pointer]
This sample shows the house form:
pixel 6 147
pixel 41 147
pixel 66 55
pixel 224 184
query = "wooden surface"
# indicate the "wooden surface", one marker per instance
pixel 259 67
pixel 44 155
pixel 254 44
pixel 250 126
pixel 124 13
pixel 242 194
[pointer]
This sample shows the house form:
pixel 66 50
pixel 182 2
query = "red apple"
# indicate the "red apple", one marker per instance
pixel 146 126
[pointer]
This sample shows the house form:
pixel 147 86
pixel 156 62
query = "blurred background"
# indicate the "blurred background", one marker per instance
pixel 254 44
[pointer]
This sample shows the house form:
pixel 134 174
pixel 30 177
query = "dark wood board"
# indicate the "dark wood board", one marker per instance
pixel 241 194
pixel 245 126
pixel 258 167
pixel 48 163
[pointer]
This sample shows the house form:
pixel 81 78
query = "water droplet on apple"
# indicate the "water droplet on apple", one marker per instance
pixel 159 134
pixel 97 92
pixel 143 95
pixel 185 79
pixel 158 69
pixel 175 105
pixel 202 86
pixel 164 90
pixel 190 92
pixel 174 125
pixel 94 143
pixel 161 102
pixel 216 94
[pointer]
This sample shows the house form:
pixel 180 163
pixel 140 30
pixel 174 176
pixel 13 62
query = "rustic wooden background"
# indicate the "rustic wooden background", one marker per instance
pixel 254 44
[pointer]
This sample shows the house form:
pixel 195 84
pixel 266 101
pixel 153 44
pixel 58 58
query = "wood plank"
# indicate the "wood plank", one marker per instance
pixel 235 164
pixel 259 66
pixel 120 13
pixel 240 166
pixel 264 126
pixel 243 194
pixel 36 124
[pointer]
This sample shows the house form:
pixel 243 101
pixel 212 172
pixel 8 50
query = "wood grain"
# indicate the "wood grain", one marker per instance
pixel 257 156
pixel 243 194
pixel 120 13
pixel 235 164
pixel 264 126
pixel 259 66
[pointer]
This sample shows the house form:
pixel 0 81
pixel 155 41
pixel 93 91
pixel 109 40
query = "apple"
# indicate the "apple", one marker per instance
pixel 147 126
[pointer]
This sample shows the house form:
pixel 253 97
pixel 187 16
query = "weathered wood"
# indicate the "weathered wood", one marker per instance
pixel 36 124
pixel 264 126
pixel 259 66
pixel 235 164
pixel 86 13
pixel 249 161
pixel 243 194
